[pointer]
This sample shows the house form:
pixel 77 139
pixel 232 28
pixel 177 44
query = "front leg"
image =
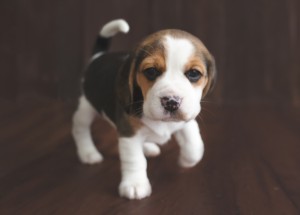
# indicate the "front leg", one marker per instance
pixel 135 183
pixel 190 143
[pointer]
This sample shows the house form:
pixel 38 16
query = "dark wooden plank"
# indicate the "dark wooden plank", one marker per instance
pixel 278 146
pixel 30 122
pixel 8 75
pixel 251 166
pixel 260 156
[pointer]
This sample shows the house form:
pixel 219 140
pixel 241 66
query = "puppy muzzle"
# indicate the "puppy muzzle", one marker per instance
pixel 171 103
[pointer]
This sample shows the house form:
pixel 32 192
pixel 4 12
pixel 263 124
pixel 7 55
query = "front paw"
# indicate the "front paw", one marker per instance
pixel 189 160
pixel 135 189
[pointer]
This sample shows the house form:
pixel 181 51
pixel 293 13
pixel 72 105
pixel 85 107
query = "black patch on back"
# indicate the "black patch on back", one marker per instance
pixel 100 80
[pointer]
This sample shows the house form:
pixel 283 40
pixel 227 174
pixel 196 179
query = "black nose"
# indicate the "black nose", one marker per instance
pixel 170 103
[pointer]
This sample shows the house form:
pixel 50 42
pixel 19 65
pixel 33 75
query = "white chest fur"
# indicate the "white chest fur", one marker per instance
pixel 159 132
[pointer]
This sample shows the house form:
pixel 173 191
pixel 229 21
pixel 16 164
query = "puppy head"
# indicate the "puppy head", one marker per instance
pixel 172 70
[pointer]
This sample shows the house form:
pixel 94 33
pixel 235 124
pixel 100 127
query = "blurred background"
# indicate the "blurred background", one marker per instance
pixel 45 45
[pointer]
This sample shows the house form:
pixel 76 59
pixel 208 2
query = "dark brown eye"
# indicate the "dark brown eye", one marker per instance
pixel 151 73
pixel 193 75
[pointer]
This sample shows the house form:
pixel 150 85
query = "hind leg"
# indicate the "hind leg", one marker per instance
pixel 82 121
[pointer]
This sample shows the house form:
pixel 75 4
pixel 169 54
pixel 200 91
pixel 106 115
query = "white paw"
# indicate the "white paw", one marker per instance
pixel 90 156
pixel 151 149
pixel 135 189
pixel 188 161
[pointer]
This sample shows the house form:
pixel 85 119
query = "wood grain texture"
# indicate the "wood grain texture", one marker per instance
pixel 251 165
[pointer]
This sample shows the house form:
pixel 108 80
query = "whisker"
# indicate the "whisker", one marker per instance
pixel 209 112
pixel 140 101
pixel 133 103
pixel 146 51
pixel 208 102
pixel 202 121
pixel 137 112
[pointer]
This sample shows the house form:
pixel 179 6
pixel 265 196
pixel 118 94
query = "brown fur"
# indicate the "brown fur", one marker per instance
pixel 156 60
pixel 135 123
pixel 198 64
pixel 150 53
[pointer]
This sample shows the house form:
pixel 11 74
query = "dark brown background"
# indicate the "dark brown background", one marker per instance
pixel 45 44
pixel 250 123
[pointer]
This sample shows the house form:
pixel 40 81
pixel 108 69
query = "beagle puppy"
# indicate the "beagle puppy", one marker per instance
pixel 147 95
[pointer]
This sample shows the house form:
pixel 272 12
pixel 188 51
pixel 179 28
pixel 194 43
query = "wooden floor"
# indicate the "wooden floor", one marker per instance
pixel 251 165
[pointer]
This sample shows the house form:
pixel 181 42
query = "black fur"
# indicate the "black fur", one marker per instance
pixel 100 82
pixel 106 86
pixel 101 44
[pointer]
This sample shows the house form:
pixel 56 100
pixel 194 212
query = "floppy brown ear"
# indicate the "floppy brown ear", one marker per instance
pixel 211 73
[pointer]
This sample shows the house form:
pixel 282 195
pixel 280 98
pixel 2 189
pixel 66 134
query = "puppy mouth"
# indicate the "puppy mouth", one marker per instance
pixel 172 120
pixel 174 116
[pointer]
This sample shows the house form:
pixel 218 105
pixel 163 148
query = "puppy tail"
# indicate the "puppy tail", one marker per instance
pixel 109 30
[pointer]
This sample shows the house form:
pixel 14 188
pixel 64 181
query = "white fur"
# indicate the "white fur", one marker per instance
pixel 113 27
pixel 151 149
pixel 157 129
pixel 82 121
pixel 190 143
pixel 135 183
pixel 174 83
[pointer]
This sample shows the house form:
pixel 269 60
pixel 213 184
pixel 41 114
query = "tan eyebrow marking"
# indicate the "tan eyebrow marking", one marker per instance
pixel 196 63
